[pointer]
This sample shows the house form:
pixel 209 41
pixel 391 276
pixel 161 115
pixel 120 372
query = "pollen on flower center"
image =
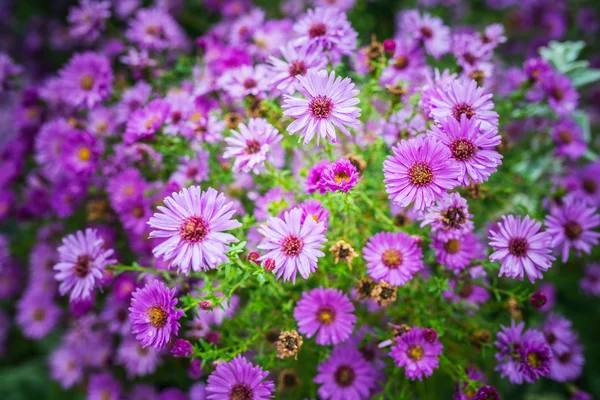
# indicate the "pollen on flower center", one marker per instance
pixel 518 247
pixel 39 314
pixel 86 82
pixel 341 177
pixel 420 174
pixel 321 107
pixel 292 245
pixel 534 359
pixel 249 83
pixel 252 146
pixel 401 62
pixel 573 230
pixel 82 266
pixel 241 392
pixel 565 137
pixel 316 30
pixel 452 246
pixel 154 30
pixel 158 316
pixel 84 154
pixel 415 352
pixel 453 217
pixel 297 68
pixel 462 149
pixel 326 315
pixel 193 229
pixel 463 109
pixel 557 94
pixel 344 376
pixel 392 258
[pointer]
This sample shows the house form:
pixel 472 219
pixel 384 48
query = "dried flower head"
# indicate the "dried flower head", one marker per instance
pixel 342 251
pixel 358 162
pixel 363 288
pixel 384 293
pixel 289 344
pixel 287 380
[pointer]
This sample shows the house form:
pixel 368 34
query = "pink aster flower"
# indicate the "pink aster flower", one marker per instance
pixel 339 175
pixel 406 64
pixel 86 80
pixel 472 147
pixel 568 136
pixel 456 253
pixel 449 217
pixel 429 30
pixel 245 80
pixel 145 121
pixel 155 29
pixel 82 259
pixel 296 61
pixel 294 246
pixel 590 283
pixel 572 225
pixel 251 145
pixel 420 171
pixel 561 95
pixel 88 19
pixel 522 247
pixel 417 353
pixel 239 379
pixel 315 210
pixel 192 224
pixel 327 313
pixel 329 104
pixel 153 315
pixel 393 257
pixel 314 177
pixel 463 97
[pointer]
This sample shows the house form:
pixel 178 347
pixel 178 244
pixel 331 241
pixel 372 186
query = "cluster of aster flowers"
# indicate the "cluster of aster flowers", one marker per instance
pixel 282 204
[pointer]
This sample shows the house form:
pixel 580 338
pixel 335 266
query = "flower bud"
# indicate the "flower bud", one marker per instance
pixel 389 46
pixel 253 257
pixel 538 300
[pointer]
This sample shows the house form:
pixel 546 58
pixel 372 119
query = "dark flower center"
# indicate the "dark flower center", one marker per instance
pixel 462 149
pixel 341 177
pixel 518 247
pixel 461 109
pixel 565 357
pixel 326 315
pixel 557 93
pixel 39 314
pixel 470 58
pixel 401 62
pixel 453 217
pixel 252 146
pixel 487 393
pixel 534 359
pixel 289 379
pixel 158 316
pixel 297 68
pixel 420 174
pixel 249 83
pixel 426 31
pixel 317 30
pixel 452 246
pixel 392 258
pixel 82 266
pixel 415 352
pixel 321 107
pixel 176 117
pixel 573 230
pixel 466 291
pixel 191 172
pixel 550 338
pixel 344 376
pixel 137 212
pixel 193 229
pixel 589 185
pixel 292 245
pixel 241 392
pixel 86 82
pixel 565 137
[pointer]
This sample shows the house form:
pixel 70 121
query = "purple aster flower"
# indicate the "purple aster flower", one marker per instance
pixel 82 260
pixel 590 283
pixel 429 30
pixel 463 97
pixel 328 29
pixel 86 80
pixel 251 145
pixel 66 366
pixel 198 391
pixel 536 68
pixel 449 217
pixel 568 136
pixel 558 333
pixel 272 203
pixel 314 209
pixel 172 394
pixel 534 355
pixel 392 257
pixel 49 144
pixel 133 98
pixel 420 171
pixel 314 176
pixel 101 122
pixel 329 104
pixel 562 96
pixel 571 226
pixel 493 35
pixel 345 375
pixel 584 183
pixel 239 379
pixel 470 51
pixel 153 314
pixel 37 315
pixel 115 316
pixel 406 64
pixel 180 108
pixel 487 393
pixel 522 247
pixel 80 153
pixel 467 290
pixel 103 387
pixel 245 80
pixel 568 364
pixel 457 253
pixel 296 61
pixel 328 311
pixel 154 29
pixel 508 343
pixel 145 121
pixel 88 19
pixel 192 224
pixel 137 360
pixel 142 391
pixel 8 71
pixel 472 148
pixel 339 175
pixel 192 171
pixel 403 125
pixel 418 356
pixel 294 246
pixel 7 200
pixel 182 348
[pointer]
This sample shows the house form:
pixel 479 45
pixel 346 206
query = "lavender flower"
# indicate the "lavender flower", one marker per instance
pixel 88 19
pixel 239 379
pixel 418 356
pixel 251 146
pixel 339 175
pixel 296 61
pixel 86 80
